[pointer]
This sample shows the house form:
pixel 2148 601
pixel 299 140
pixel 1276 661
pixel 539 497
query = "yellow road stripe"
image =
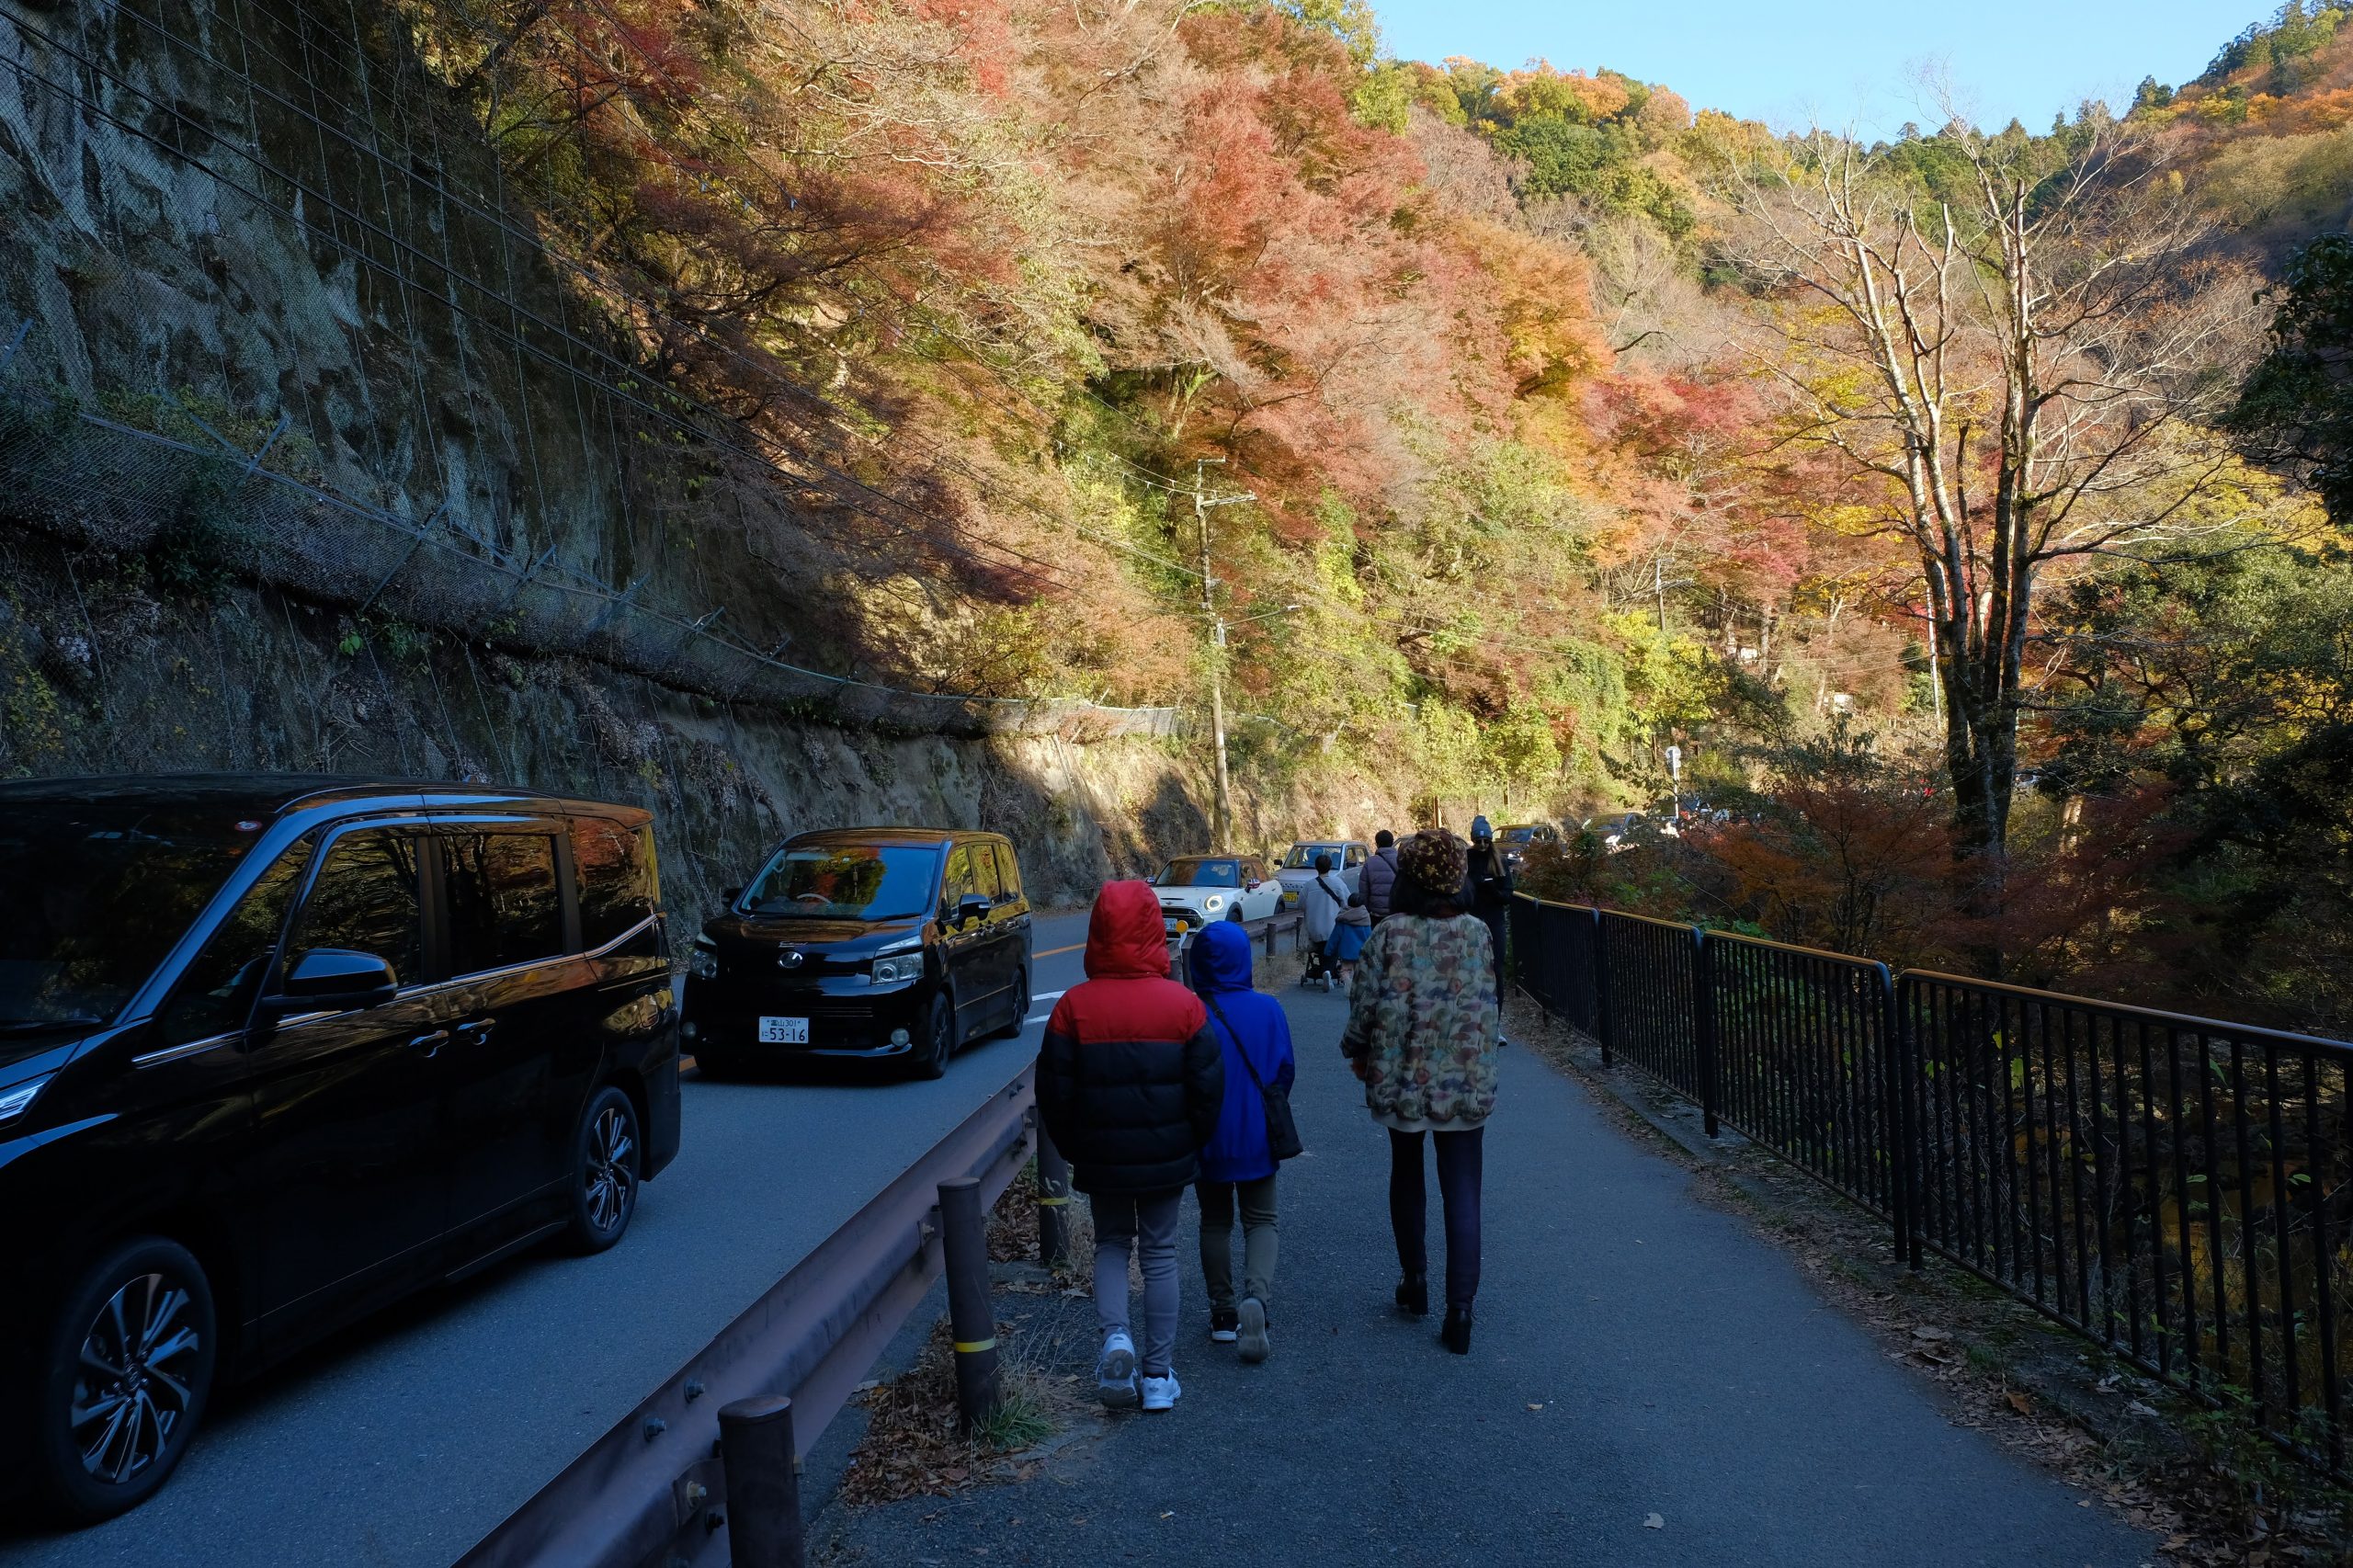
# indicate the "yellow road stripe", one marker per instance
pixel 968 1347
pixel 1050 952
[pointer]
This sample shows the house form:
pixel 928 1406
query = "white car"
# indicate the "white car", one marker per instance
pixel 1197 888
pixel 1348 856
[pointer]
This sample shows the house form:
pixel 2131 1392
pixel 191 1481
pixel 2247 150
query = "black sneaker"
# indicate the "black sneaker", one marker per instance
pixel 1225 1324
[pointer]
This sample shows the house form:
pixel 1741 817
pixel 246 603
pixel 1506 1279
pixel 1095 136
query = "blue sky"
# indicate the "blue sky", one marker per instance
pixel 1837 60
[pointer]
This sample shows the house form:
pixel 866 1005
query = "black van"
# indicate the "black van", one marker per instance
pixel 275 1050
pixel 886 942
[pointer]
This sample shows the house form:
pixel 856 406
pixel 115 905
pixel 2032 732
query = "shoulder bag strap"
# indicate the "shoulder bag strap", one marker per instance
pixel 1239 1049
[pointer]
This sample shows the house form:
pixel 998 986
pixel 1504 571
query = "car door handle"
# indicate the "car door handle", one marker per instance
pixel 477 1029
pixel 430 1042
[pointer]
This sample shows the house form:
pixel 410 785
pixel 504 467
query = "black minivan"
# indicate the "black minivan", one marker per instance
pixel 275 1050
pixel 884 942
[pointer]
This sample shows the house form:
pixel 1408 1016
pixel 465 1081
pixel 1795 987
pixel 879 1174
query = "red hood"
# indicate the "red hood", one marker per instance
pixel 1127 936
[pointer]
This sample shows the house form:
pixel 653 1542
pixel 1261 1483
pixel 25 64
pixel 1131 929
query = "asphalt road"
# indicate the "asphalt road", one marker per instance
pixel 399 1443
pixel 1651 1384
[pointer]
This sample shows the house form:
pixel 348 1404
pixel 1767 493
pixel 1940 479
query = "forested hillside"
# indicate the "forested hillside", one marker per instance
pixel 1484 431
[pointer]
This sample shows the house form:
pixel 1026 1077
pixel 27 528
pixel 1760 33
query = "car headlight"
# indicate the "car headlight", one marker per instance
pixel 702 961
pixel 13 1102
pixel 889 971
pixel 1213 903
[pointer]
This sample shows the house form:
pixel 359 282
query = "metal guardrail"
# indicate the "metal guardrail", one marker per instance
pixel 652 1493
pixel 2177 1188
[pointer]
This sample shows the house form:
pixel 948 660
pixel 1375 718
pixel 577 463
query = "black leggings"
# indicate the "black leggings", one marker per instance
pixel 1459 1164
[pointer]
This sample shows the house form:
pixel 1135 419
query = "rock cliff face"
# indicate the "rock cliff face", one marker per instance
pixel 97 675
pixel 311 457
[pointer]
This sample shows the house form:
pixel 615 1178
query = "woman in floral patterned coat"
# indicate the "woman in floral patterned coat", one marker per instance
pixel 1423 1027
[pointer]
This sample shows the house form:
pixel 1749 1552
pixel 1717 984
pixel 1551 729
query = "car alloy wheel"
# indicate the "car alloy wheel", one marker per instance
pixel 612 1169
pixel 131 1363
pixel 939 1038
pixel 133 1389
pixel 1020 1020
pixel 606 1193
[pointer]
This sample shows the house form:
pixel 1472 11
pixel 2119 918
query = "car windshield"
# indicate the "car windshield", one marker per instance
pixel 1303 856
pixel 846 881
pixel 99 893
pixel 1196 872
pixel 1519 834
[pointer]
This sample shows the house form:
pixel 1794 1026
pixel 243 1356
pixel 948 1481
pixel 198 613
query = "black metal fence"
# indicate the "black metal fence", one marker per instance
pixel 2180 1189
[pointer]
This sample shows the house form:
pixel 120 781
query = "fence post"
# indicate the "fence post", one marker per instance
pixel 971 1316
pixel 763 1487
pixel 1605 1023
pixel 1899 1152
pixel 1903 1047
pixel 1053 1202
pixel 1703 1001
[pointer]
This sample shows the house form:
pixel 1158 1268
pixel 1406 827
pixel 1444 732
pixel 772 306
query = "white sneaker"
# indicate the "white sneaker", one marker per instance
pixel 1115 1373
pixel 1160 1394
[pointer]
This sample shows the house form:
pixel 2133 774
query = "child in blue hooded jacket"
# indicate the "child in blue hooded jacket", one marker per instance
pixel 1238 1164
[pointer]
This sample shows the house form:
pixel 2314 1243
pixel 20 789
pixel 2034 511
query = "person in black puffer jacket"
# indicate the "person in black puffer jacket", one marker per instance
pixel 1129 1085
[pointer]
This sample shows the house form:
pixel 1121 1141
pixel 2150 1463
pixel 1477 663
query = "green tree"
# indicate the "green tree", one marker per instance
pixel 2296 410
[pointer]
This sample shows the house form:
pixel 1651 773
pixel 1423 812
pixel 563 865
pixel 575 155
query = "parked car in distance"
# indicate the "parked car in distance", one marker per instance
pixel 1516 838
pixel 1298 869
pixel 1197 888
pixel 1626 830
pixel 891 943
pixel 275 1052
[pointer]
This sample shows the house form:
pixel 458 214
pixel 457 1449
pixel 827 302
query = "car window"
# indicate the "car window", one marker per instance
pixel 215 995
pixel 98 892
pixel 1355 854
pixel 846 881
pixel 959 882
pixel 1201 873
pixel 984 877
pixel 618 885
pixel 1008 871
pixel 365 899
pixel 504 908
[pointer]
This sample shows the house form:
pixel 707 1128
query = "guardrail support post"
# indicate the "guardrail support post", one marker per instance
pixel 763 1487
pixel 971 1316
pixel 1053 1202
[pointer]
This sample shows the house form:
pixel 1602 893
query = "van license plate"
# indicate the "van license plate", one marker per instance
pixel 784 1031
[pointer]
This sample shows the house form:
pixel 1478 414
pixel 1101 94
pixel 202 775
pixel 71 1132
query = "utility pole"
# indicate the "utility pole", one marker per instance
pixel 1223 829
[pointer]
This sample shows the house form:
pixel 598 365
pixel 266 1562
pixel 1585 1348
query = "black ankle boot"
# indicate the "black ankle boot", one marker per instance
pixel 1456 1334
pixel 1414 1295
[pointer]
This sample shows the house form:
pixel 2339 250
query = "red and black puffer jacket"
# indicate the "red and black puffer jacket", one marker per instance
pixel 1130 1079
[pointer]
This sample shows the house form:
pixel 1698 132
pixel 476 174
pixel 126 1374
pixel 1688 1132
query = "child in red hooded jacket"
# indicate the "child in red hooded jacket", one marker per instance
pixel 1130 1082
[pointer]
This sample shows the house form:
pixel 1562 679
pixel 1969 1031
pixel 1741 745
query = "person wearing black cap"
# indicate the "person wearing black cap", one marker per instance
pixel 1486 889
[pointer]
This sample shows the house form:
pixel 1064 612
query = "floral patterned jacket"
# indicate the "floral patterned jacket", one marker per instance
pixel 1423 1019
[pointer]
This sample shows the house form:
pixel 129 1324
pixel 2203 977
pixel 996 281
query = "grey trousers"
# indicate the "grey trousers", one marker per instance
pixel 1145 1222
pixel 1259 1239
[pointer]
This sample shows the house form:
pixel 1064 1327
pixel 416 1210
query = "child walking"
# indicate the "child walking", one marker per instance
pixel 1238 1165
pixel 1129 1085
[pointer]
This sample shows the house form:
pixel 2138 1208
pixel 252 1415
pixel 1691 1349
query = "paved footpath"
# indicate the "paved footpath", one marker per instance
pixel 1681 1367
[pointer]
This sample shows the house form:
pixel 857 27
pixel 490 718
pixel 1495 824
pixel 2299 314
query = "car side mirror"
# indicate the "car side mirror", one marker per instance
pixel 333 980
pixel 731 896
pixel 973 906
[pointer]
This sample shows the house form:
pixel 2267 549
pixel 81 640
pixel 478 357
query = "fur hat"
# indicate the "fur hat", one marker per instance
pixel 1435 860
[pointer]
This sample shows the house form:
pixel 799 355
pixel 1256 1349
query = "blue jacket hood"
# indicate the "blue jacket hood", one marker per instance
pixel 1220 957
